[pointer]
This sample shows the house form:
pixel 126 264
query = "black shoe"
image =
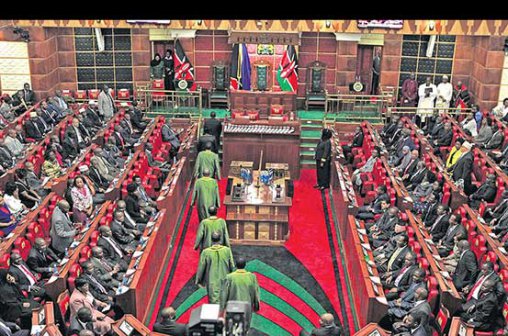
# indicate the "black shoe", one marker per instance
pixel 316 186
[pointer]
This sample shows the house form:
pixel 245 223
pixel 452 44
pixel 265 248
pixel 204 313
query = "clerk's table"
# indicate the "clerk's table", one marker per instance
pixel 258 216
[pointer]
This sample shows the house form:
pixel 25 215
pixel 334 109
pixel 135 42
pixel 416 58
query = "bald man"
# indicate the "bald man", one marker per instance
pixel 327 327
pixel 206 195
pixel 41 259
pixel 168 326
pixel 62 230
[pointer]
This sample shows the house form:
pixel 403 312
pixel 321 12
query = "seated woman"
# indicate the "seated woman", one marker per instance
pixel 7 221
pixel 81 297
pixel 51 168
pixel 82 201
pixel 27 195
pixel 12 201
pixel 13 304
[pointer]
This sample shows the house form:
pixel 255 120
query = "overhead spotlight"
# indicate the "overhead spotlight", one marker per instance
pixel 328 23
pixel 23 33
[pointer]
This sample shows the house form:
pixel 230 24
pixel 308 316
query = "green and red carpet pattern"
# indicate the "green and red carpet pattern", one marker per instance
pixel 299 281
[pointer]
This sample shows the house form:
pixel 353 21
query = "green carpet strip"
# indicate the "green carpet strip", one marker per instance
pixel 266 326
pixel 341 248
pixel 268 298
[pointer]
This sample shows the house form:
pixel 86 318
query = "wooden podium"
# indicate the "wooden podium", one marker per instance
pixel 258 218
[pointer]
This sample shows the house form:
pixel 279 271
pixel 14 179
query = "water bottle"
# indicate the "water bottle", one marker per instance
pixel 66 252
pixel 55 270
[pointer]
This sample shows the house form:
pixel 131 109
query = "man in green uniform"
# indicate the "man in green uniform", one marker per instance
pixel 206 192
pixel 207 227
pixel 240 285
pixel 215 263
pixel 207 160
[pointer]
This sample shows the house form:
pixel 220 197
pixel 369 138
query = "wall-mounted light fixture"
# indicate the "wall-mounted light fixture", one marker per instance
pixel 432 25
pixel 328 23
pixel 199 22
pixel 506 46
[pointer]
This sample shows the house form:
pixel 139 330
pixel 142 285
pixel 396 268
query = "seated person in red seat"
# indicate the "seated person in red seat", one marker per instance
pixel 327 327
pixel 368 211
pixel 485 193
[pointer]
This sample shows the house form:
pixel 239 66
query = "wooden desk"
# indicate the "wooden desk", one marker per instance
pixel 369 299
pixel 258 219
pixel 44 314
pixel 129 322
pixel 459 328
pixel 245 146
pixel 344 198
pixel 450 297
pixel 262 101
pixel 139 295
pixel 371 329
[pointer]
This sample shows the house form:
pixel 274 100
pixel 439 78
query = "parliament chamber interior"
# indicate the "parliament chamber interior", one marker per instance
pixel 253 177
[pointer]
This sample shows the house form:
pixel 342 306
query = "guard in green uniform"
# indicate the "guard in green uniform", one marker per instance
pixel 206 194
pixel 207 227
pixel 215 263
pixel 240 285
pixel 207 160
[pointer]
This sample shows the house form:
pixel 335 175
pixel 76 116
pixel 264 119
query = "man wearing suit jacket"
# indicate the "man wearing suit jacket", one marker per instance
pixel 389 129
pixel 106 270
pixel 204 139
pixel 440 225
pixel 28 95
pixel 392 140
pixel 128 128
pixel 497 139
pixel 399 281
pixel 27 279
pixel 106 104
pixel 461 170
pixel 420 311
pixel 123 236
pixel 472 292
pixel 327 327
pixel 399 308
pixel 32 128
pixel 99 289
pixel 6 157
pixel 417 177
pixel 112 154
pixel 445 137
pixel 41 259
pixel 82 321
pixel 169 135
pixel 62 230
pixel 368 211
pixel 213 127
pixel 492 215
pixel 137 117
pixel 501 225
pixel 356 143
pixel 413 322
pixel 12 329
pixel 168 325
pixel 467 266
pixel 111 248
pixel 484 313
pixel 384 228
pixel 411 167
pixel 121 142
pixel 91 117
pixel 486 193
pixel 73 132
pixel 446 244
pixel 429 214
pixel 393 262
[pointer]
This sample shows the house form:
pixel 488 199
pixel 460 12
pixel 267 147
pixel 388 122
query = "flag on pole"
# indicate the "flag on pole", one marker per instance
pixel 287 74
pixel 240 68
pixel 183 67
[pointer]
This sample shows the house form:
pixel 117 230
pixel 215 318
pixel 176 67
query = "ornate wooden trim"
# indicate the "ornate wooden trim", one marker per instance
pixel 264 38
pixel 254 74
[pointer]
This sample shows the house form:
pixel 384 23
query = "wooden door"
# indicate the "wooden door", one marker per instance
pixel 364 59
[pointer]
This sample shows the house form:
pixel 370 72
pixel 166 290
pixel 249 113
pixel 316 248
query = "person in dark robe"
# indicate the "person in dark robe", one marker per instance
pixel 461 96
pixel 169 70
pixel 409 92
pixel 323 160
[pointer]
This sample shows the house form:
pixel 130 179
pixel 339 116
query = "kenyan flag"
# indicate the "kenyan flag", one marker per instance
pixel 287 74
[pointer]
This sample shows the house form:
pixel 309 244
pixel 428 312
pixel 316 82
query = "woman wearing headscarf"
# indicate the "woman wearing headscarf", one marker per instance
pixel 82 201
pixel 323 158
pixel 157 67
pixel 13 304
pixel 51 168
pixel 81 297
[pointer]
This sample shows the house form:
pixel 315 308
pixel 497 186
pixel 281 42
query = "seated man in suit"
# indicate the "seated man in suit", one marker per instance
pixel 41 259
pixel 414 178
pixel 164 167
pixel 384 228
pixel 32 128
pixel 28 95
pixel 137 116
pixel 438 229
pixel 484 313
pixel 150 206
pixel 446 244
pixel 74 135
pixel 129 222
pixel 444 139
pixel 413 324
pixel 123 145
pixel 168 325
pixel 27 280
pixel 12 329
pixel 491 216
pixel 393 262
pixel 81 322
pixel 389 128
pixel 399 281
pixel 112 154
pixel 100 290
pixel 169 135
pixel 128 128
pixel 327 327
pixel 125 237
pixel 485 193
pixel 133 207
pixel 467 266
pixel 368 211
pixel 472 292
pixel 112 249
pixel 356 143
pixel 496 141
pixel 107 270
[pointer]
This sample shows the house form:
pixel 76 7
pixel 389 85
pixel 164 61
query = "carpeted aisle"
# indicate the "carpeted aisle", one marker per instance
pixel 299 281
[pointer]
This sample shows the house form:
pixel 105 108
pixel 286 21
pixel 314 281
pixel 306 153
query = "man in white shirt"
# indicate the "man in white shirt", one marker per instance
pixel 469 124
pixel 13 144
pixel 427 93
pixel 444 94
pixel 501 111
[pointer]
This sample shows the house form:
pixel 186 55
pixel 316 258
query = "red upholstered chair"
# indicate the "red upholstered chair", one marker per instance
pixel 158 84
pixel 124 94
pixel 479 247
pixel 237 113
pixel 94 237
pixel 81 95
pixel 5 260
pixel 74 273
pixel 23 246
pixel 63 303
pixel 34 231
pixel 433 291
pixel 253 115
pixel 67 93
pixel 443 320
pixel 93 94
pixel 503 275
pixel 276 109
